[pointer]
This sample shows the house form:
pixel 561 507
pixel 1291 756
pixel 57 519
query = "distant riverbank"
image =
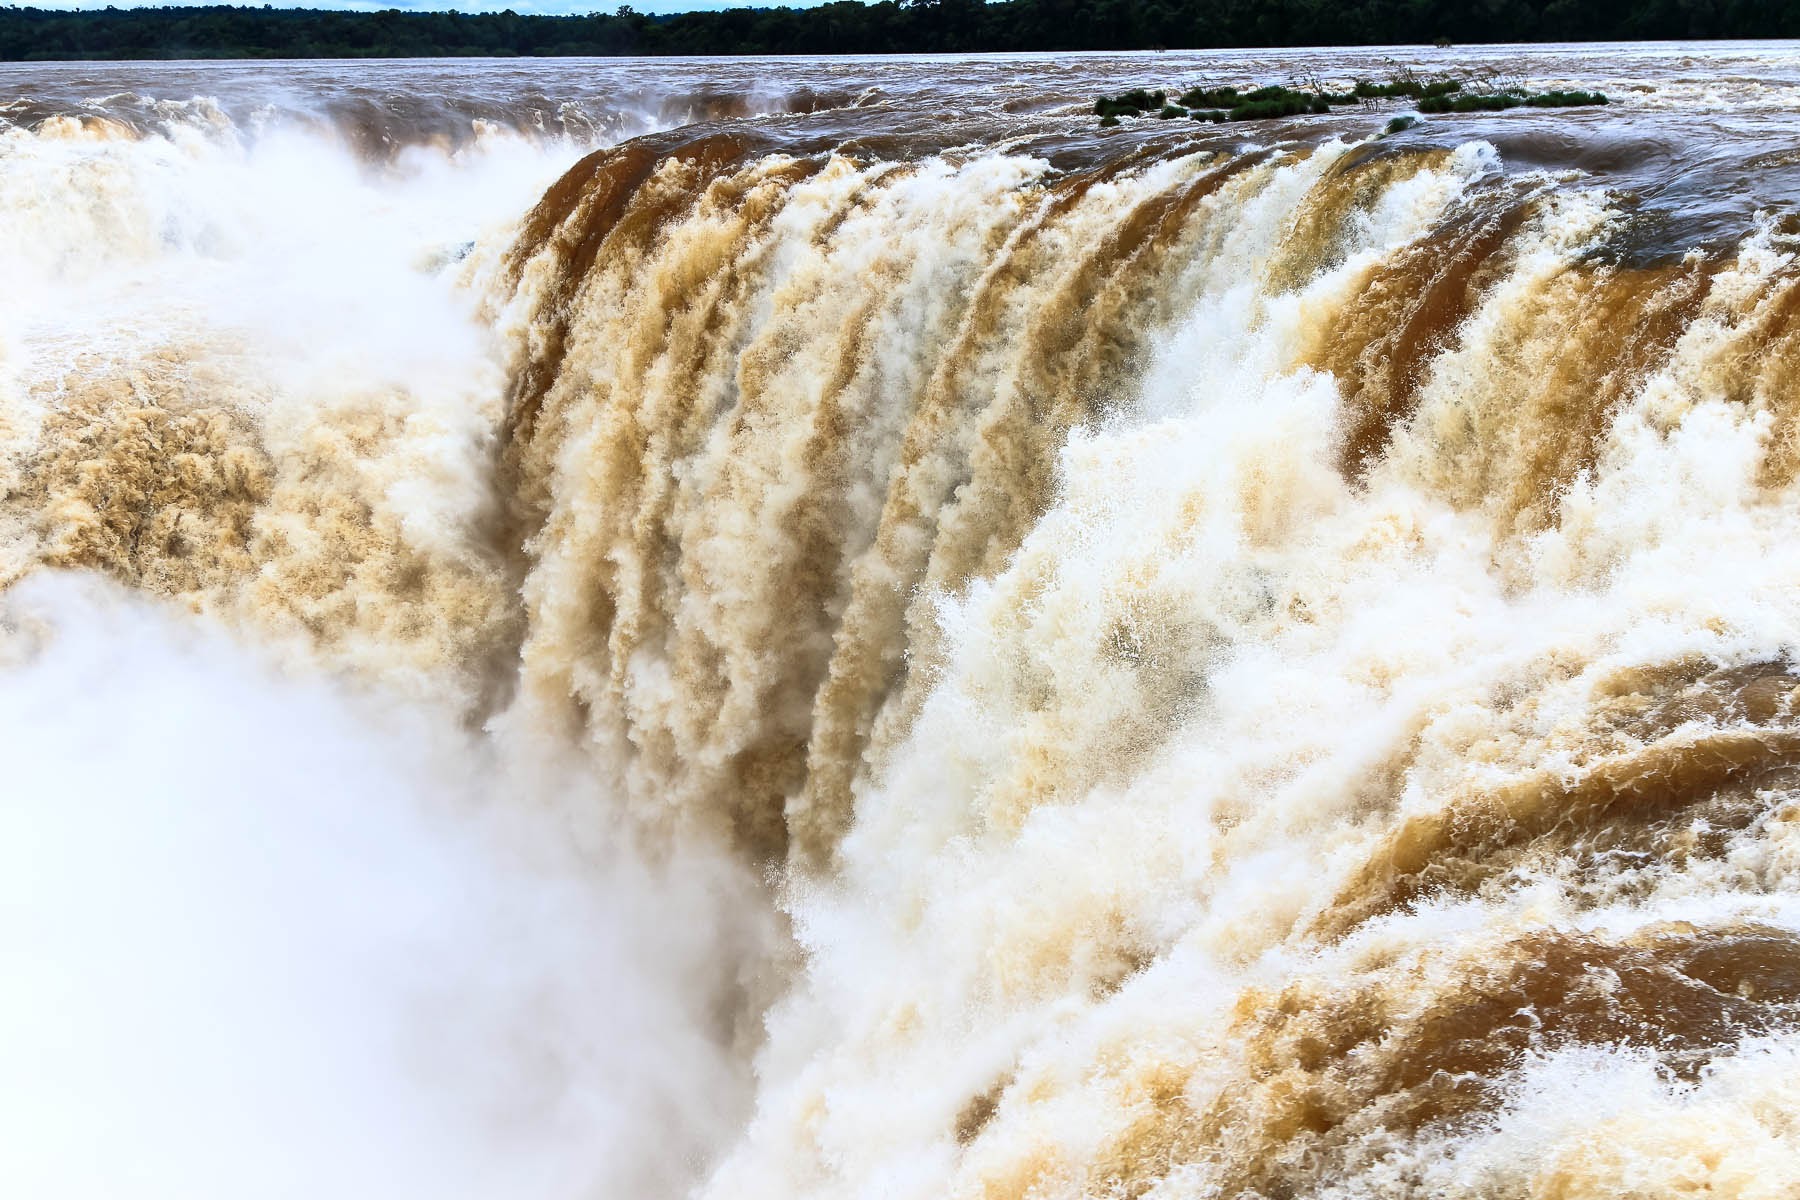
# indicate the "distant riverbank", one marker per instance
pixel 848 27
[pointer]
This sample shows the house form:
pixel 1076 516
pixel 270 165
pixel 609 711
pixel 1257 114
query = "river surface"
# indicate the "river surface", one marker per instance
pixel 775 628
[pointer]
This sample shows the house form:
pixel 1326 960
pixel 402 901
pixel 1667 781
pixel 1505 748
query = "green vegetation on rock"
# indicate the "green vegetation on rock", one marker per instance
pixel 1415 89
pixel 1129 104
pixel 1217 104
pixel 1278 106
pixel 1499 101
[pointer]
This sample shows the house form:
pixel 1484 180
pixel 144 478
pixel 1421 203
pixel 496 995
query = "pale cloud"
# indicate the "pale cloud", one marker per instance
pixel 536 7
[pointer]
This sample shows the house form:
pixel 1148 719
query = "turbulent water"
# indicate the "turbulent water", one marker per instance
pixel 755 629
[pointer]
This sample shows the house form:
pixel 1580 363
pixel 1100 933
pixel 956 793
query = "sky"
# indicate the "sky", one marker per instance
pixel 551 7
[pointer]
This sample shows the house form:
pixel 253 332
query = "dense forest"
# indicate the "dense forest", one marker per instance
pixel 848 27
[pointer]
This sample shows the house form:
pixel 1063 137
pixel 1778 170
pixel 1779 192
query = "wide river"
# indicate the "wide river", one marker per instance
pixel 758 629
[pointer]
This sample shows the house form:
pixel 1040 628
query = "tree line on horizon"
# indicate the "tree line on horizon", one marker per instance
pixel 888 27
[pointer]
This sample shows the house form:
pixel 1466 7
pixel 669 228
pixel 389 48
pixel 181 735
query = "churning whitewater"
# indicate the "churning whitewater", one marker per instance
pixel 623 630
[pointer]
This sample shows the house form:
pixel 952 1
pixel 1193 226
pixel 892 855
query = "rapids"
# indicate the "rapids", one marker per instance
pixel 750 629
